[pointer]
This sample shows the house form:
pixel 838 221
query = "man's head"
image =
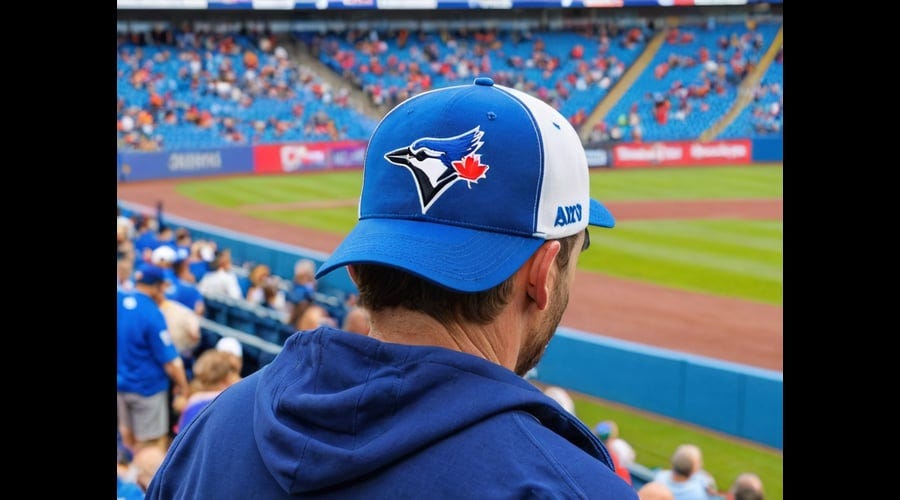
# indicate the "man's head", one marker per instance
pixel 304 271
pixel 655 491
pixel 606 430
pixel 747 486
pixel 152 281
pixel 463 187
pixel 356 320
pixel 147 461
pixel 163 256
pixel 686 460
pixel 232 347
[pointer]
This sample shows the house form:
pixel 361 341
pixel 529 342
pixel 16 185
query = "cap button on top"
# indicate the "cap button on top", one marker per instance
pixel 483 80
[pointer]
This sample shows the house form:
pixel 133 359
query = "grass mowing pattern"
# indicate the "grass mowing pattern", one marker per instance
pixel 733 258
pixel 654 440
pixel 699 183
pixel 236 192
pixel 339 220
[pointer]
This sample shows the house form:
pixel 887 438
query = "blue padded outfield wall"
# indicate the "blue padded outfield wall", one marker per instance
pixel 740 400
pixel 768 149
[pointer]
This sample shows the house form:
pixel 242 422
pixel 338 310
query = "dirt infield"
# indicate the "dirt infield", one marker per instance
pixel 729 329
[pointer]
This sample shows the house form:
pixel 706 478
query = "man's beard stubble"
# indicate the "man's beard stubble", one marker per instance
pixel 538 339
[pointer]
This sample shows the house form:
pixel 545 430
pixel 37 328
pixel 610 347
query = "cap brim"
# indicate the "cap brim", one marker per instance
pixel 461 259
pixel 600 215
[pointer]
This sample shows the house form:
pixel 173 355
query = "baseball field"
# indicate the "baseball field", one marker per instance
pixel 694 264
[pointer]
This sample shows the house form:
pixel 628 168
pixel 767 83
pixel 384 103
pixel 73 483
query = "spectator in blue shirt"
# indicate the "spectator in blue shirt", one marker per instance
pixel 146 362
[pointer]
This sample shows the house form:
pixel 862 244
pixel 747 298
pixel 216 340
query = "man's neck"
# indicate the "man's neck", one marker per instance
pixel 400 326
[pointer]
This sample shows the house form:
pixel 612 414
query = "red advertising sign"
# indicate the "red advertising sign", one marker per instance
pixel 659 154
pixel 300 157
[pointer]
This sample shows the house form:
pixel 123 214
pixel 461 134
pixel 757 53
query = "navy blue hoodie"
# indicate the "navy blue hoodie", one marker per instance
pixel 341 415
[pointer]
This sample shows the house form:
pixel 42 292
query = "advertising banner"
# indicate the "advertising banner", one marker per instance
pixel 135 166
pixel 597 157
pixel 160 4
pixel 661 154
pixel 231 4
pixel 305 157
pixel 415 4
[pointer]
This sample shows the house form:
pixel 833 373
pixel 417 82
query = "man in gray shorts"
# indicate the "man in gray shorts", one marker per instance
pixel 146 361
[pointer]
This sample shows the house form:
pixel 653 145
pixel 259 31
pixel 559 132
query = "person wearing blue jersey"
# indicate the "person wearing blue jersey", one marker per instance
pixel 474 209
pixel 146 362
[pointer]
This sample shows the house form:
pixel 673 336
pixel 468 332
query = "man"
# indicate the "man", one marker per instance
pixel 747 486
pixel 146 361
pixel 686 479
pixel 655 491
pixel 604 431
pixel 473 212
pixel 221 279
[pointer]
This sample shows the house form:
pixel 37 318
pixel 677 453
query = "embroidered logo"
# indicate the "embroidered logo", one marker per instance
pixel 437 163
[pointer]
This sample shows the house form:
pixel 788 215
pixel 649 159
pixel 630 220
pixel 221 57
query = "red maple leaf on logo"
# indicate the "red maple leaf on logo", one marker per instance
pixel 470 169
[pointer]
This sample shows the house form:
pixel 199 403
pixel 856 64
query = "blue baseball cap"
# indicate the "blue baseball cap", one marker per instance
pixel 462 184
pixel 151 275
pixel 603 430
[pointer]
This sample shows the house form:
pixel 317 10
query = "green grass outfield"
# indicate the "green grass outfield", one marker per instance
pixel 730 257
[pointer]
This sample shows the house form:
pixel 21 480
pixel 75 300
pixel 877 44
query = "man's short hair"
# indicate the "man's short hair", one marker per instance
pixel 382 287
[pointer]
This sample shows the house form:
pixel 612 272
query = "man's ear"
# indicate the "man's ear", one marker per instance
pixel 540 264
pixel 352 272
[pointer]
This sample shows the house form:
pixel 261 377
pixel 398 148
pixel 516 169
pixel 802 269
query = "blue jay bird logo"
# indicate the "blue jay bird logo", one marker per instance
pixel 437 163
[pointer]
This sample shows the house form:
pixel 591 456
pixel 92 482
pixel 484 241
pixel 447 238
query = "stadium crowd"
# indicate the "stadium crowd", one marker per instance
pixel 192 86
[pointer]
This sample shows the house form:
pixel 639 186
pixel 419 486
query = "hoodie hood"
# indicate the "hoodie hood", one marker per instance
pixel 335 406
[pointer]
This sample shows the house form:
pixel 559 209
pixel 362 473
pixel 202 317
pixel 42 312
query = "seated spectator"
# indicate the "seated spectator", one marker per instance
pixel 604 431
pixel 747 486
pixel 202 254
pixel 686 479
pixel 624 450
pixel 303 287
pixel 140 472
pixel 655 491
pixel 125 224
pixel 313 317
pixel 258 274
pixel 214 372
pixel 231 346
pixel 273 297
pixel 357 321
pixel 184 328
pixel 221 280
pixel 182 243
pixel 562 397
pixel 124 272
pixel 164 256
pixel 184 288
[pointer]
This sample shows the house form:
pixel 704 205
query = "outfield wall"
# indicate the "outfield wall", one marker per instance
pixel 289 158
pixel 736 399
pixel 728 397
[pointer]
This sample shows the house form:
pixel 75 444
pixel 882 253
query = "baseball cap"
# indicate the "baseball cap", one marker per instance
pixel 230 344
pixel 151 275
pixel 603 430
pixel 462 184
pixel 163 254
